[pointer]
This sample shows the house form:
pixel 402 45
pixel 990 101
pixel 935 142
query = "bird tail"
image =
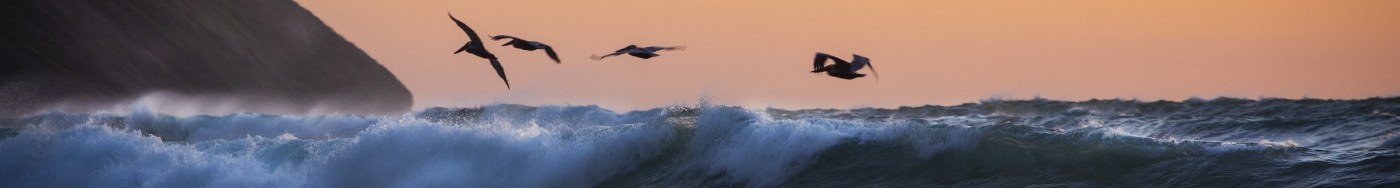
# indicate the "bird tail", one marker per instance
pixel 463 49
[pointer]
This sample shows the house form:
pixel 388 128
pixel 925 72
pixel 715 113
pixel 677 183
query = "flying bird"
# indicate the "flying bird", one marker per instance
pixel 841 68
pixel 528 45
pixel 644 53
pixel 476 47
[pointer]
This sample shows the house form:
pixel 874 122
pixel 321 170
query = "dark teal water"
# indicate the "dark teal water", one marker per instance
pixel 1102 143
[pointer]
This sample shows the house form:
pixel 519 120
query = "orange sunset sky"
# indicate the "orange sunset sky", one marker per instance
pixel 942 52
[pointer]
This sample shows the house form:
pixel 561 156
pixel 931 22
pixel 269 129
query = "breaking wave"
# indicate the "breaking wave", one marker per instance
pixel 1219 142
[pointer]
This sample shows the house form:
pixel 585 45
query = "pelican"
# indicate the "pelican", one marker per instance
pixel 475 47
pixel 644 53
pixel 841 68
pixel 528 46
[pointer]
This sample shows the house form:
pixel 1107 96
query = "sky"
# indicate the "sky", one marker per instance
pixel 939 52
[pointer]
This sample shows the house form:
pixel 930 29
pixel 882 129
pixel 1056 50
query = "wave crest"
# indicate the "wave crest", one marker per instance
pixel 581 146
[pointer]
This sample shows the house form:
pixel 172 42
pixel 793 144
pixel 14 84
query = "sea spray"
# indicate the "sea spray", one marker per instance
pixel 1230 142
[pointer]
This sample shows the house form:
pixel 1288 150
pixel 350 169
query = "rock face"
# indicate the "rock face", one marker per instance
pixel 270 56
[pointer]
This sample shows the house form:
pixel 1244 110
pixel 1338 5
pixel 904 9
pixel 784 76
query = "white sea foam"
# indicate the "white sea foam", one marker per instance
pixel 548 146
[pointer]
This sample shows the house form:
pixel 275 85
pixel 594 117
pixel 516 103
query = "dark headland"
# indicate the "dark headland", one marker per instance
pixel 270 56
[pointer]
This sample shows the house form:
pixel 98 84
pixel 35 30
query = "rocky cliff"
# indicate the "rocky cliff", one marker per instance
pixel 270 56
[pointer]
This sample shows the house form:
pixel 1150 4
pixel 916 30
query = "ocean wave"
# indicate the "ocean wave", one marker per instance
pixel 998 143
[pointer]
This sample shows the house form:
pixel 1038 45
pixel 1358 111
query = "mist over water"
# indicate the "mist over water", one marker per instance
pixel 1219 142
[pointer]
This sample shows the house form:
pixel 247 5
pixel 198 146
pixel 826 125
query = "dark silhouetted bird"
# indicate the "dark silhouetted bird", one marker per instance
pixel 528 45
pixel 476 47
pixel 841 68
pixel 644 53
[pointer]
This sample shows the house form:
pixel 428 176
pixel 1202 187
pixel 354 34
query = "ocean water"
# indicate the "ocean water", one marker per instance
pixel 1014 143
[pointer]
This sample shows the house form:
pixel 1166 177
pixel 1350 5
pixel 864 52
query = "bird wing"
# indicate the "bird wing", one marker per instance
pixel 596 57
pixel 872 71
pixel 500 71
pixel 550 51
pixel 499 37
pixel 659 48
pixel 859 62
pixel 821 58
pixel 629 47
pixel 470 33
pixel 862 62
